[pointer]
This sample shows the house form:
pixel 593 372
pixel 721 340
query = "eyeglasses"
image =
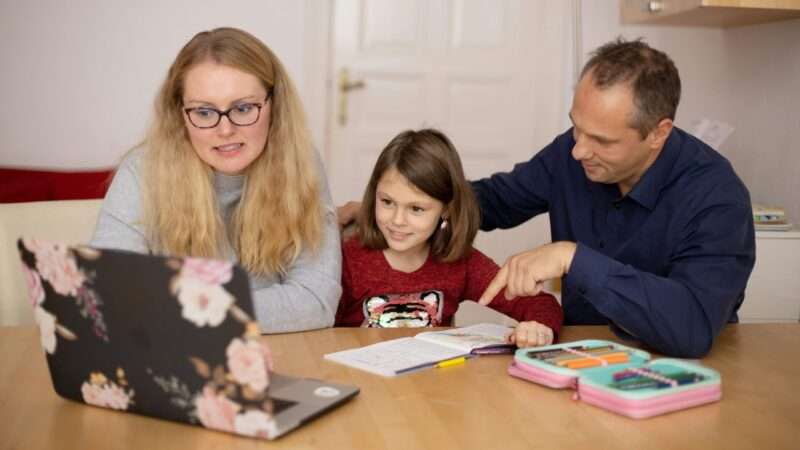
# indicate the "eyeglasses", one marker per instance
pixel 242 115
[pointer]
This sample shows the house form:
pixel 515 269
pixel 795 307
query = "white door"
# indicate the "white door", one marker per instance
pixel 494 75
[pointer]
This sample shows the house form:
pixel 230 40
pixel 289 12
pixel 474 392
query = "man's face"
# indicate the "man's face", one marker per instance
pixel 609 150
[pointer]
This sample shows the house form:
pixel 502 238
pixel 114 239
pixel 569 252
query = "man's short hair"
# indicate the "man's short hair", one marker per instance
pixel 651 74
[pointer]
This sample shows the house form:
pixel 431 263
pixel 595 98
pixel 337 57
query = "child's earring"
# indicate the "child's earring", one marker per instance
pixel 444 224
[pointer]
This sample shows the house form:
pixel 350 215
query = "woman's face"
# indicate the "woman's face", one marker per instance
pixel 227 148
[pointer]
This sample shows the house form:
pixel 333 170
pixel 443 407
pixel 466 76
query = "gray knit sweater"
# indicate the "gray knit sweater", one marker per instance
pixel 306 298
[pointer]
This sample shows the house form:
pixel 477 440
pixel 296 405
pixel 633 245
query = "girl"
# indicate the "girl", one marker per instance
pixel 227 170
pixel 411 261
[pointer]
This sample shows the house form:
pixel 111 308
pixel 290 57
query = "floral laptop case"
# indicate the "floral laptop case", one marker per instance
pixel 172 338
pixel 619 378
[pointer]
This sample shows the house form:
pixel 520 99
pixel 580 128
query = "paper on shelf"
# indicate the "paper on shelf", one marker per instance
pixel 712 132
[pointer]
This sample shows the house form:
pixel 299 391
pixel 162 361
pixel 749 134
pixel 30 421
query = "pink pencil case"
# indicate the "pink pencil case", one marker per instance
pixel 618 378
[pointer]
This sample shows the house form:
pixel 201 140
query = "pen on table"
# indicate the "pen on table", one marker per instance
pixel 451 362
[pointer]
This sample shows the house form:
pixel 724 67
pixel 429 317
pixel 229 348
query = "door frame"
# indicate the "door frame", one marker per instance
pixel 316 87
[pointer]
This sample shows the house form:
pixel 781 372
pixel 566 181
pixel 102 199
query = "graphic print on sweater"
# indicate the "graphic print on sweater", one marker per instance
pixel 419 309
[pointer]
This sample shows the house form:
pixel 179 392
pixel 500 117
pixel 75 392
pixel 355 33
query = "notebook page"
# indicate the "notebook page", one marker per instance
pixel 468 338
pixel 388 358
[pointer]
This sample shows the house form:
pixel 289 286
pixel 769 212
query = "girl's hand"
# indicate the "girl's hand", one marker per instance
pixel 531 334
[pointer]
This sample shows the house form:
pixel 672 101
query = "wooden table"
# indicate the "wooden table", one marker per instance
pixel 475 405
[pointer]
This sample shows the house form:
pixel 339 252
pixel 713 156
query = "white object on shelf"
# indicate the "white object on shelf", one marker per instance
pixel 774 226
pixel 773 292
pixel 712 132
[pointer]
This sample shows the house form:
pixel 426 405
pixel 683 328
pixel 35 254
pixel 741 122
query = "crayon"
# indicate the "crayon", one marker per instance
pixel 642 382
pixel 552 353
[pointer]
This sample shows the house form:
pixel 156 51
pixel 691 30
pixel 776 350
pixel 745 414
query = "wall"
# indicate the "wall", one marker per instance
pixel 79 78
pixel 748 77
pixel 764 71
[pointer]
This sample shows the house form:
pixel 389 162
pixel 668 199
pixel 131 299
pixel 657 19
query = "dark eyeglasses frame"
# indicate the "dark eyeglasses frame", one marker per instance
pixel 226 113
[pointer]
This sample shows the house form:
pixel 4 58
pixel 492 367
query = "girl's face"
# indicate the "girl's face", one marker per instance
pixel 406 216
pixel 227 148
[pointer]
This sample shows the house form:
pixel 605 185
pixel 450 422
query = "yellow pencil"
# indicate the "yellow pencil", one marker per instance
pixel 452 362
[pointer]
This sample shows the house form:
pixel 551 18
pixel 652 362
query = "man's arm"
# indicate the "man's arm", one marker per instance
pixel 683 311
pixel 679 313
pixel 508 199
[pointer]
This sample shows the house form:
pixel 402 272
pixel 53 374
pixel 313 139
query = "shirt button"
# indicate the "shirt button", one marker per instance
pixel 582 290
pixel 617 205
pixel 602 244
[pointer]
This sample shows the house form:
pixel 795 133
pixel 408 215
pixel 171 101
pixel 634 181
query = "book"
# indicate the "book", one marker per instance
pixel 774 226
pixel 770 218
pixel 766 214
pixel 426 349
pixel 618 378
pixel 473 313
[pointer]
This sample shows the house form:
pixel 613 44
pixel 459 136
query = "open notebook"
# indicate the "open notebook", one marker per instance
pixel 426 349
pixel 171 338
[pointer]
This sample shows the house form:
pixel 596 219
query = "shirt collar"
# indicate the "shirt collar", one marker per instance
pixel 228 183
pixel 647 190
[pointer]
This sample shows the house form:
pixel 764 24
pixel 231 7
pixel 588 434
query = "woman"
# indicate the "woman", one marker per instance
pixel 228 171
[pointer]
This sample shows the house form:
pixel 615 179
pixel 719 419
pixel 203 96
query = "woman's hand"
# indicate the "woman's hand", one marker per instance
pixel 531 334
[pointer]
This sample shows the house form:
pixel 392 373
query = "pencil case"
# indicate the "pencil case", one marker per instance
pixel 618 378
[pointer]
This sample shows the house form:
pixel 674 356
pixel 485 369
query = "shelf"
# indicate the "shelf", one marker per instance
pixel 708 13
pixel 771 234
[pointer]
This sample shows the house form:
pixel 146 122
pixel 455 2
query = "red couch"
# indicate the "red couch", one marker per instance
pixel 22 185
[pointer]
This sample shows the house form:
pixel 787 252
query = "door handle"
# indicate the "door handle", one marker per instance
pixel 346 85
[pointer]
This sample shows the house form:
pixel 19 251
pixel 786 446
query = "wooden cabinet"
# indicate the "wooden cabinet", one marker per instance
pixel 773 292
pixel 711 13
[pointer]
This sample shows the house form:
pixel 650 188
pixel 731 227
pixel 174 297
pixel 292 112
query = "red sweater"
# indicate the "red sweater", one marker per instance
pixel 376 295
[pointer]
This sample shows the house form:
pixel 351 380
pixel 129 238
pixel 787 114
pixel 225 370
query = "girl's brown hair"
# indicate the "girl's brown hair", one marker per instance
pixel 280 213
pixel 428 160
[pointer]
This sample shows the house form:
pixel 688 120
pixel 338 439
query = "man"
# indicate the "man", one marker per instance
pixel 652 229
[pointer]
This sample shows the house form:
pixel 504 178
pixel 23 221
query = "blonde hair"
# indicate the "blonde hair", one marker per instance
pixel 430 162
pixel 279 214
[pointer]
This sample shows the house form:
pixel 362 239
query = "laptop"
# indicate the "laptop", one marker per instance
pixel 166 337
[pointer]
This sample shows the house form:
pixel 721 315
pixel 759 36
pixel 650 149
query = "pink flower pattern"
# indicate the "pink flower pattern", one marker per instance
pixel 47 329
pixel 56 266
pixel 89 304
pixel 247 364
pixel 255 423
pixel 199 289
pixel 215 410
pixel 207 271
pixel 35 289
pixel 107 395
pixel 203 304
pixel 265 350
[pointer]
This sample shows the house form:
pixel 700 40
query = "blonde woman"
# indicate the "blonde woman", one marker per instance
pixel 227 170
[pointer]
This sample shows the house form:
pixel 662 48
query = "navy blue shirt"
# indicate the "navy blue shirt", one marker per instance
pixel 666 264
